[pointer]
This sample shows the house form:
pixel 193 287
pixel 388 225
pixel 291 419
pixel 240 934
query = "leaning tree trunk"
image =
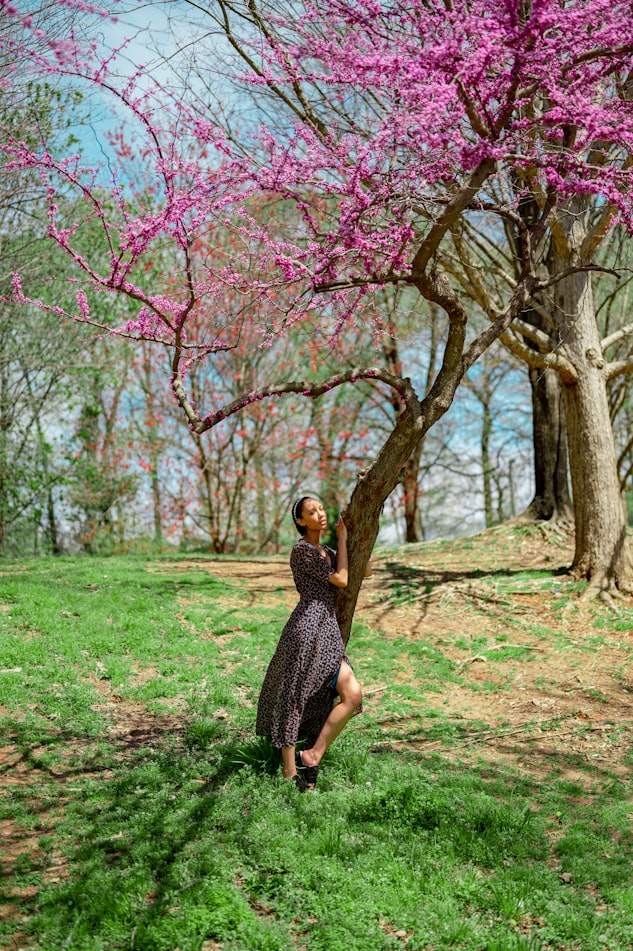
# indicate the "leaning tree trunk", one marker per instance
pixel 602 554
pixel 362 515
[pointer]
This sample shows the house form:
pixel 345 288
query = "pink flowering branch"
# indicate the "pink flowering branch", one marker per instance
pixel 200 424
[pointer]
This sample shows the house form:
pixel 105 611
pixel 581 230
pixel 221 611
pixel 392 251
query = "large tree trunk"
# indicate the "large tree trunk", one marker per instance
pixel 602 554
pixel 552 500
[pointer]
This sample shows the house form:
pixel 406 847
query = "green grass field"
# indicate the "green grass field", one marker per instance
pixel 139 811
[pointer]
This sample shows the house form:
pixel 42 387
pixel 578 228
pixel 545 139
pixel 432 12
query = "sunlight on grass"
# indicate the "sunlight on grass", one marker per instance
pixel 141 812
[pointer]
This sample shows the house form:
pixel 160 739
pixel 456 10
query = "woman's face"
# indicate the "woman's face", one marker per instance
pixel 313 516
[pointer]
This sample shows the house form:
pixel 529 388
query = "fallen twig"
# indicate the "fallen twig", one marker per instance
pixel 370 693
pixel 69 939
pixel 500 647
pixel 500 734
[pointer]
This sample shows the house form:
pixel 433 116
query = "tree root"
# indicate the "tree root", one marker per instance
pixel 608 596
pixel 552 528
pixel 606 589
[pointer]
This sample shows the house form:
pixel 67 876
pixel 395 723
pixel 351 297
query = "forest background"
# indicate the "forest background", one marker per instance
pixel 95 452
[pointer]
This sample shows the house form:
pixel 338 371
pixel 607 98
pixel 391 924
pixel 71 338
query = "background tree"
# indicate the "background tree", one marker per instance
pixel 500 414
pixel 37 360
pixel 383 151
pixel 101 481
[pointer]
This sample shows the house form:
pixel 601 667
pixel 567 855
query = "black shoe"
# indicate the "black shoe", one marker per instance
pixel 299 782
pixel 309 773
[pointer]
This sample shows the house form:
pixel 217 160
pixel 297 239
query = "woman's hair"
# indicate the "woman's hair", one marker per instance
pixel 297 509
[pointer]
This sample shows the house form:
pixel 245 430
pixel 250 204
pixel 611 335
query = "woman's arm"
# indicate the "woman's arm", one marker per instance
pixel 339 577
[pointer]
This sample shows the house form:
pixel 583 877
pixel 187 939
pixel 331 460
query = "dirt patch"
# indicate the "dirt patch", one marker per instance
pixel 563 704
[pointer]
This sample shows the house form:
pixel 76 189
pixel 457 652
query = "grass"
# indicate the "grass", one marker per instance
pixel 140 812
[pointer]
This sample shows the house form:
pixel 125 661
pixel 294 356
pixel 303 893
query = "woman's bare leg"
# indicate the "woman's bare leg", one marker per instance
pixel 351 696
pixel 289 767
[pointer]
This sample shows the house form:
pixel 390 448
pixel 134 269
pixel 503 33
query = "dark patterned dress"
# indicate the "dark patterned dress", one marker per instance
pixel 298 693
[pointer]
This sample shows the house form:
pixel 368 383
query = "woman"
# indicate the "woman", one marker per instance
pixel 309 668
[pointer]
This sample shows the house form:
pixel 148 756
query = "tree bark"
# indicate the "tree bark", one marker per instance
pixel 602 554
pixel 552 499
pixel 362 515
pixel 411 487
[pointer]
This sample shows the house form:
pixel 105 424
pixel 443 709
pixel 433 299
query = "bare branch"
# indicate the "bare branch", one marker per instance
pixel 619 367
pixel 616 336
pixel 550 360
pixel 542 285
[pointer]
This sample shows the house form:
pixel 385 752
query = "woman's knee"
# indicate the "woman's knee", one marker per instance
pixel 348 687
pixel 354 695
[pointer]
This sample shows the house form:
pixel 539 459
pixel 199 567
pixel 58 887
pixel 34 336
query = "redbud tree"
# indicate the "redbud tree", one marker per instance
pixel 392 123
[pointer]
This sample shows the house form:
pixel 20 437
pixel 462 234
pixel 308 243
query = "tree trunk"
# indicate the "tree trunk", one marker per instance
pixel 602 554
pixel 552 500
pixel 411 486
pixel 362 515
pixel 486 465
pixel 261 490
pixel 52 522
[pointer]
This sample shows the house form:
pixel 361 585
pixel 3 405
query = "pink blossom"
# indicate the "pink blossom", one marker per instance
pixel 425 94
pixel 82 304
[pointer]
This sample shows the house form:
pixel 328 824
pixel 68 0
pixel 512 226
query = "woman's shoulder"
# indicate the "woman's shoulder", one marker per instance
pixel 303 544
pixel 306 557
pixel 299 547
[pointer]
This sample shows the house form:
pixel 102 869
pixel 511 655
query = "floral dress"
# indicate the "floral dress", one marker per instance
pixel 298 691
